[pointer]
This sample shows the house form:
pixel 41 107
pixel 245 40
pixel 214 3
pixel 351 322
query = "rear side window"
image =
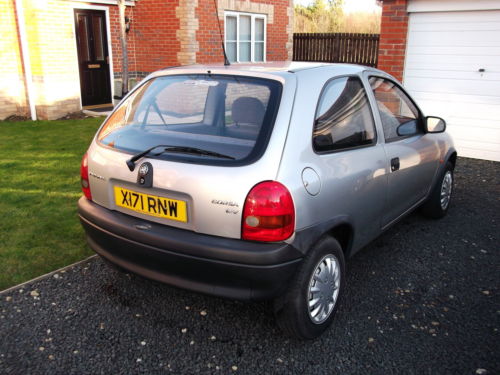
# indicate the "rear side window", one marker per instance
pixel 343 118
pixel 221 114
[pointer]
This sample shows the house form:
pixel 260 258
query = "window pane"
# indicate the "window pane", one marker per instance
pixel 231 51
pixel 230 28
pixel 219 113
pixel 245 107
pixel 245 51
pixel 97 30
pixel 245 30
pixel 395 109
pixel 181 103
pixel 259 29
pixel 259 51
pixel 84 38
pixel 344 117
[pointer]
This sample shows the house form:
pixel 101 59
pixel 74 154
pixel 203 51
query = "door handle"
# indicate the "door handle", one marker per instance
pixel 394 164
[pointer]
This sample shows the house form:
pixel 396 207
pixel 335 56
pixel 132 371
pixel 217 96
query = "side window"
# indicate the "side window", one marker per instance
pixel 398 114
pixel 343 118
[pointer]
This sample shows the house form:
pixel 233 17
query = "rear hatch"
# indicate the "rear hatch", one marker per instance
pixel 211 137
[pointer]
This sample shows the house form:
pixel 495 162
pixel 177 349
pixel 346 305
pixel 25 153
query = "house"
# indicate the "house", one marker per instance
pixel 447 53
pixel 57 56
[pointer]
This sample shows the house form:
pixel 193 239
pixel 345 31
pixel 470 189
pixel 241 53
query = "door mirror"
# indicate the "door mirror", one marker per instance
pixel 434 124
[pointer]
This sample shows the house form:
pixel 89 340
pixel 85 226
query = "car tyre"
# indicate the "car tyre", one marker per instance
pixel 438 203
pixel 318 284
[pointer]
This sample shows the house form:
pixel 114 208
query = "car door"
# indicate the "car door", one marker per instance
pixel 411 155
pixel 351 159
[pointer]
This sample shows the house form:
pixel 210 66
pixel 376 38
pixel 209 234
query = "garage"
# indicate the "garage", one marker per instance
pixel 452 68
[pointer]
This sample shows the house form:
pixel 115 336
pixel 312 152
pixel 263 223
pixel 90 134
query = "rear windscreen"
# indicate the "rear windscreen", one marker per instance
pixel 227 115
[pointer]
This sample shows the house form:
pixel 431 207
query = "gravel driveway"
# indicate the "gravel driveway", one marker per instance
pixel 422 299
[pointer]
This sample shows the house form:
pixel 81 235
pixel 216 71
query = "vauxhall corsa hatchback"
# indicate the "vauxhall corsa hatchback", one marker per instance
pixel 257 182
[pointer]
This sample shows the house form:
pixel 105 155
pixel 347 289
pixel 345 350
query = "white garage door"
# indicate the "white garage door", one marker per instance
pixel 446 55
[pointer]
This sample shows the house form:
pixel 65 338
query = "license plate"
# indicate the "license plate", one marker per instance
pixel 151 204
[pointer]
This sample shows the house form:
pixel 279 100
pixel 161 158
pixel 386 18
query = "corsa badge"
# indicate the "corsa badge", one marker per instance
pixel 145 175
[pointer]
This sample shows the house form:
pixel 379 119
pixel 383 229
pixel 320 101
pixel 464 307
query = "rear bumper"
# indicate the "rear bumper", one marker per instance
pixel 214 265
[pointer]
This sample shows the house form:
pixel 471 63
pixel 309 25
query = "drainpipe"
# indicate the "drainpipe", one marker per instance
pixel 21 22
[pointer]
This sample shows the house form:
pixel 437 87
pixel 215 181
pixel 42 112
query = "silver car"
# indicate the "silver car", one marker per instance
pixel 257 182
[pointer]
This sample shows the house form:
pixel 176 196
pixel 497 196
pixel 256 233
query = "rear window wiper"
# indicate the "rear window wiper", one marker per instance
pixel 133 159
pixel 195 151
pixel 179 149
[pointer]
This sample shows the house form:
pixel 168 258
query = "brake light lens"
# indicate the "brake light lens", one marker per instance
pixel 84 174
pixel 269 213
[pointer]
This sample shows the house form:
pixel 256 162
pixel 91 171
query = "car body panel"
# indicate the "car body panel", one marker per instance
pixel 353 182
pixel 418 158
pixel 214 194
pixel 354 187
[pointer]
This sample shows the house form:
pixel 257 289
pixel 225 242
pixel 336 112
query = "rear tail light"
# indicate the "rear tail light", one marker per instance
pixel 84 174
pixel 269 213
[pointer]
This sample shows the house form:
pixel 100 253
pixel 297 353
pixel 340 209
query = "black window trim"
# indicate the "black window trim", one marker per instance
pixel 420 114
pixel 261 143
pixel 375 138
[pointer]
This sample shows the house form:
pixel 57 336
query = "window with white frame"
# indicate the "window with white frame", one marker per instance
pixel 245 37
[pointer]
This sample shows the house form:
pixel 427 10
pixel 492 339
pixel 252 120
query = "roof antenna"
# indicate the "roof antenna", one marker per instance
pixel 226 61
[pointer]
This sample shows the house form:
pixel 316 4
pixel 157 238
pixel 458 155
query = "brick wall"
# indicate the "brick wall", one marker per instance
pixel 278 34
pixel 153 28
pixel 207 35
pixel 52 48
pixel 53 55
pixel 163 33
pixel 393 35
pixel 116 48
pixel 12 88
pixel 153 41
pixel 279 27
pixel 180 32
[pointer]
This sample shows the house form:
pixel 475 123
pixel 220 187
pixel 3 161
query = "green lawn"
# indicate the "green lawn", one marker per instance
pixel 39 189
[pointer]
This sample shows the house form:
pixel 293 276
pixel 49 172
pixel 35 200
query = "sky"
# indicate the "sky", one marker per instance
pixel 350 5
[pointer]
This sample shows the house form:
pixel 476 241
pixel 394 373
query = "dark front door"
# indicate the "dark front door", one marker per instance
pixel 92 46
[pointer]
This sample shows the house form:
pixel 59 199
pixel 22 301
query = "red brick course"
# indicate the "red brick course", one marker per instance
pixel 207 35
pixel 156 44
pixel 152 40
pixel 393 34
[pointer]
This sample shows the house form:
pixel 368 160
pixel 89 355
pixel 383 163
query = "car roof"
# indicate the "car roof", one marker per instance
pixel 275 68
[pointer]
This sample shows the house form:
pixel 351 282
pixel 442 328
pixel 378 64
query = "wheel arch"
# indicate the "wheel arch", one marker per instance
pixel 452 158
pixel 344 234
pixel 339 228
